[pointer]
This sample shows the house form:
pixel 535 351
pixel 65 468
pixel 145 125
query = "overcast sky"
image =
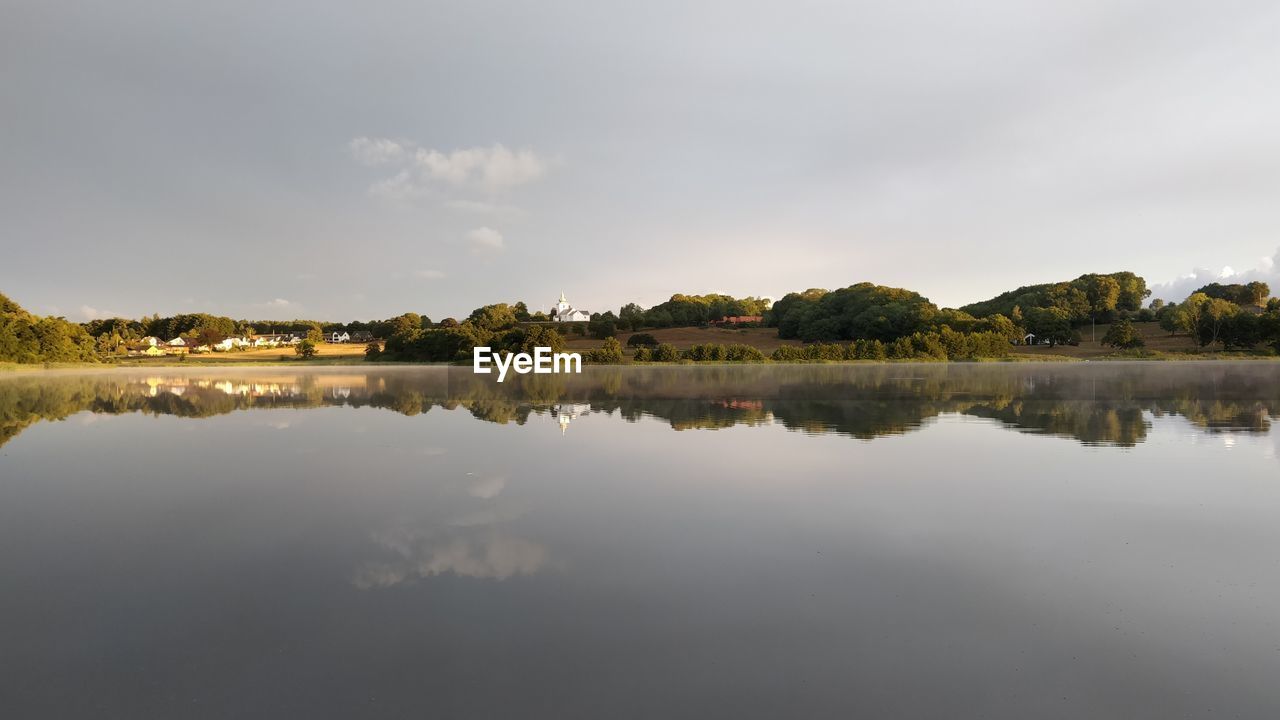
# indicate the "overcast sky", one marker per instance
pixel 357 161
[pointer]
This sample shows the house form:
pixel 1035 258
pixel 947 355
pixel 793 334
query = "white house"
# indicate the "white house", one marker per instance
pixel 151 340
pixel 340 337
pixel 564 312
pixel 177 342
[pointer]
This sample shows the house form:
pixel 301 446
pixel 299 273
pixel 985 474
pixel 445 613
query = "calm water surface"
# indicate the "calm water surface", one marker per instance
pixel 901 541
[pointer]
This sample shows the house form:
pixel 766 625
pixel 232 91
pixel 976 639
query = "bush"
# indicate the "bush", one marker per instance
pixel 641 340
pixel 305 349
pixel 868 350
pixel 666 352
pixel 610 353
pixel 1123 335
pixel 372 351
pixel 788 353
pixel 743 353
pixel 708 352
pixel 643 354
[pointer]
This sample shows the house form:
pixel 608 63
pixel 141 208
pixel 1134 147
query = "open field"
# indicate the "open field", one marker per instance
pixel 1156 339
pixel 327 354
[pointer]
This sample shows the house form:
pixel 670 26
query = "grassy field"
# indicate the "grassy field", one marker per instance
pixel 327 354
pixel 1158 343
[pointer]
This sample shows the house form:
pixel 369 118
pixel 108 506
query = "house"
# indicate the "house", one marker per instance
pixel 1029 339
pixel 270 340
pixel 152 340
pixel 564 312
pixel 738 319
pixel 361 336
pixel 231 343
pixel 153 350
pixel 340 337
pixel 177 342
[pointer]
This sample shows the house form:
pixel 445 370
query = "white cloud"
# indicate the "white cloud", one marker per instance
pixel 493 557
pixel 428 274
pixel 401 186
pixel 377 151
pixel 92 313
pixel 491 168
pixel 278 304
pixel 480 207
pixel 487 169
pixel 486 239
pixel 487 488
pixel 1178 290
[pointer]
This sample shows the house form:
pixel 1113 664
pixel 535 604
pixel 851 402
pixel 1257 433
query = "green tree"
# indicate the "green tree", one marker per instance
pixel 631 317
pixel 1122 334
pixel 492 318
pixel 306 349
pixel 602 325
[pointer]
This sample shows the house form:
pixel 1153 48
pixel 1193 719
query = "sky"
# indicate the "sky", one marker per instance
pixel 360 160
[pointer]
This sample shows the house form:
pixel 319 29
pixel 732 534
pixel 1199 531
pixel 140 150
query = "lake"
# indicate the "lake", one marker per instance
pixel 885 541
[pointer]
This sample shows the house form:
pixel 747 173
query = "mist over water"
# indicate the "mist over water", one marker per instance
pixel 991 540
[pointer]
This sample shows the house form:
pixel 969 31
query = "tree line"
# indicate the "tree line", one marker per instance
pixel 866 321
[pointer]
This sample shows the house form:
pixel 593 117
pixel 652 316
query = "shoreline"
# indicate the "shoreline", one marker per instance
pixel 21 368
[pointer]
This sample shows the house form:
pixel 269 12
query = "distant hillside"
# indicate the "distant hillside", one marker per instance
pixel 1088 296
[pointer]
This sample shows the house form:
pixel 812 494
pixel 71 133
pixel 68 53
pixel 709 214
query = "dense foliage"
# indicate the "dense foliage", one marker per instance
pixel 1088 297
pixel 1252 294
pixel 495 326
pixel 27 338
pixel 874 312
pixel 686 311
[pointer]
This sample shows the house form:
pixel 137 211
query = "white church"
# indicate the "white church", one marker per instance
pixel 564 312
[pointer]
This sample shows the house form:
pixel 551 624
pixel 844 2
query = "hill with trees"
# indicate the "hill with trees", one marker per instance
pixel 27 338
pixel 1089 297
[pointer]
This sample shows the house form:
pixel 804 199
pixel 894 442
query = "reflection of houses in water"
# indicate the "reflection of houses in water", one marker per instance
pixel 756 405
pixel 564 413
pixel 340 392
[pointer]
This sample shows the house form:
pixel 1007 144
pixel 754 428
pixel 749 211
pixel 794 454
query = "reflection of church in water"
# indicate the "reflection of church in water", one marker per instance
pixel 565 413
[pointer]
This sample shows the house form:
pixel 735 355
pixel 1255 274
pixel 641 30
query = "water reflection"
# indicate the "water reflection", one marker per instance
pixel 293 541
pixel 1095 404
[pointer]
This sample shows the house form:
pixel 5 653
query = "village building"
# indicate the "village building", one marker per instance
pixel 738 320
pixel 564 312
pixel 340 337
pixel 565 413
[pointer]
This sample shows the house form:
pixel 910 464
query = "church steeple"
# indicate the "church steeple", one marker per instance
pixel 562 297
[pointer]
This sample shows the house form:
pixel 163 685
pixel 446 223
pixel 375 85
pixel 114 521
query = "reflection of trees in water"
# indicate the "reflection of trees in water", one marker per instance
pixel 1093 403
